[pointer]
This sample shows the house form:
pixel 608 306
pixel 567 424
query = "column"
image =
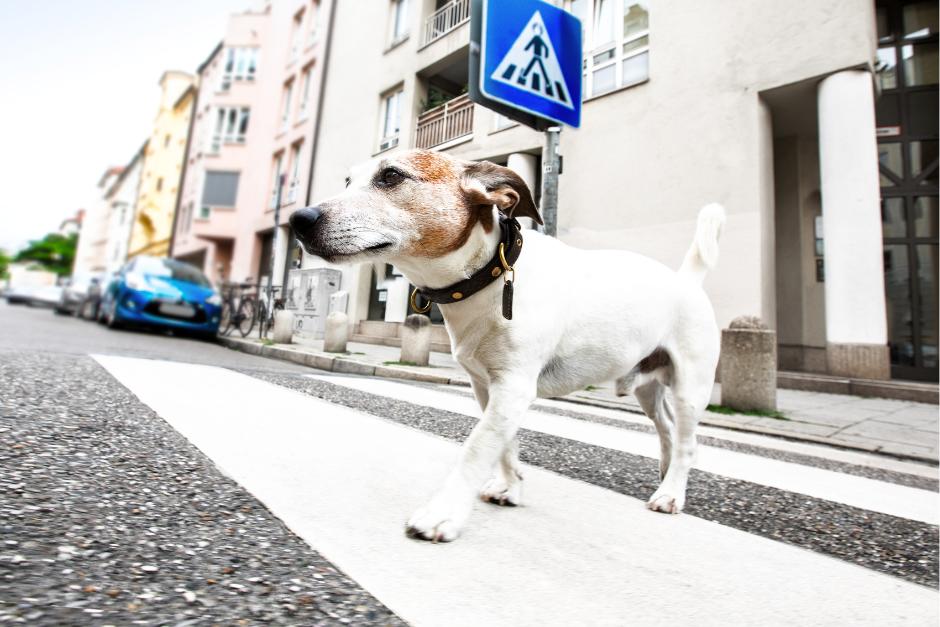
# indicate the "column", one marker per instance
pixel 856 325
pixel 524 165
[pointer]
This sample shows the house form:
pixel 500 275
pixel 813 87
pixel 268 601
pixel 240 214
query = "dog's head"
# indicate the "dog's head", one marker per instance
pixel 415 204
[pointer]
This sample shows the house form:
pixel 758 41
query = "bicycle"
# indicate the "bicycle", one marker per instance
pixel 264 315
pixel 238 309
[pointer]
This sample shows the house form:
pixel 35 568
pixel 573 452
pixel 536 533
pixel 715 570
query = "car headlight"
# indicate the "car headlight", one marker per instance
pixel 215 299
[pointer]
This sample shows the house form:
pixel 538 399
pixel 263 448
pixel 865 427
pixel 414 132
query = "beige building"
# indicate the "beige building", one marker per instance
pixel 91 254
pixel 162 167
pixel 770 108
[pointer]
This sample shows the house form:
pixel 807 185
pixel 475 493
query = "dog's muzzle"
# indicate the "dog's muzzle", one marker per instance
pixel 304 223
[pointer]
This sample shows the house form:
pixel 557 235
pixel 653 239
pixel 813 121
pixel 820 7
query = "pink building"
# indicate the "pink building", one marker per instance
pixel 254 120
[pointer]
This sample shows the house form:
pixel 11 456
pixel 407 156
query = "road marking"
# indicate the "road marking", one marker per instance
pixel 346 481
pixel 870 494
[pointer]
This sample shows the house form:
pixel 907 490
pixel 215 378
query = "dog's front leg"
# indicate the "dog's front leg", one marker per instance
pixel 445 515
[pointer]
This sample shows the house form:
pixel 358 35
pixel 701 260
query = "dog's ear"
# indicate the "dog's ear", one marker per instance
pixel 489 184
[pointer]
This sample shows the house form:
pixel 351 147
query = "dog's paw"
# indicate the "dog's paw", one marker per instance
pixel 665 503
pixel 438 521
pixel 498 492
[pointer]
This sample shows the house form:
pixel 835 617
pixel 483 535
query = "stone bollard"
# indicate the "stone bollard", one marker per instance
pixel 416 340
pixel 283 327
pixel 748 365
pixel 337 332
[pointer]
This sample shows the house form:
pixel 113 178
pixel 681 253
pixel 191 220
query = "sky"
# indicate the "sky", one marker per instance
pixel 79 92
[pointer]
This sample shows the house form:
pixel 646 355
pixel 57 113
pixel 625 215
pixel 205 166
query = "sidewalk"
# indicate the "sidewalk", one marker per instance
pixel 899 428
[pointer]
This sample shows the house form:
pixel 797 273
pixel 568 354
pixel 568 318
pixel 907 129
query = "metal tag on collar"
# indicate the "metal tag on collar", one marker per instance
pixel 507 282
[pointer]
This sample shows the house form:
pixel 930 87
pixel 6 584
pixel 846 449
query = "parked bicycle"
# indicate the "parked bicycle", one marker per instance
pixel 266 313
pixel 239 308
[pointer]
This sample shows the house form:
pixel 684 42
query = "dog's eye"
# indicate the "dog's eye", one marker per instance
pixel 389 177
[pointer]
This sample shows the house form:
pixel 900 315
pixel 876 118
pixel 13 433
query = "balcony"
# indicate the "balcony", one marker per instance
pixel 445 19
pixel 445 122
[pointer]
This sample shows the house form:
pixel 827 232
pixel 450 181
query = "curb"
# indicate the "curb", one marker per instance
pixel 331 362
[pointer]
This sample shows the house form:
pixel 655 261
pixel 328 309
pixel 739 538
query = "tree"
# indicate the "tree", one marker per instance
pixel 54 253
pixel 4 264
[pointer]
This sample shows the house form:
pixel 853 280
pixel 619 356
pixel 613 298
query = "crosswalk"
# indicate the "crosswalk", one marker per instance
pixel 344 472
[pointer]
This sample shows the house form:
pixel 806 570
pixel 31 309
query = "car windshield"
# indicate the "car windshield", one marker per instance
pixel 170 268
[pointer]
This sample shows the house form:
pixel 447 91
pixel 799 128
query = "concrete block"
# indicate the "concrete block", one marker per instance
pixel 283 327
pixel 749 366
pixel 416 340
pixel 859 361
pixel 349 366
pixel 337 332
pixel 392 372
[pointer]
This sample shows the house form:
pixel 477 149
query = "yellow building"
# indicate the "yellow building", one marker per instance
pixel 163 165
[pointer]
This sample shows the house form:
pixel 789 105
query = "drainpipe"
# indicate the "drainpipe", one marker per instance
pixel 320 97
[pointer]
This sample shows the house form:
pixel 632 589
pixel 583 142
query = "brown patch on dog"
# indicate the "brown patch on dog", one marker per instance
pixel 432 166
pixel 659 358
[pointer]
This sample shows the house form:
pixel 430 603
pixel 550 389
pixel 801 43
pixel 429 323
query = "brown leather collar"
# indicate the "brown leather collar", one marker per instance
pixel 510 238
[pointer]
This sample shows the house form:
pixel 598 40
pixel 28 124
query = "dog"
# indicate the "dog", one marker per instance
pixel 577 317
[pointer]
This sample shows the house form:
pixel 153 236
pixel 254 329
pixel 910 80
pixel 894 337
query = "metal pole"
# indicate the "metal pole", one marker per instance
pixel 550 172
pixel 274 240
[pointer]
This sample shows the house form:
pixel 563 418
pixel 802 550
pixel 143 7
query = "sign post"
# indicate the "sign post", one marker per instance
pixel 525 64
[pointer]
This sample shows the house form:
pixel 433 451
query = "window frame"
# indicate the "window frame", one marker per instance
pixel 294 177
pixel 275 176
pixel 389 141
pixel 303 107
pixel 615 47
pixel 398 27
pixel 231 126
pixel 287 96
pixel 239 63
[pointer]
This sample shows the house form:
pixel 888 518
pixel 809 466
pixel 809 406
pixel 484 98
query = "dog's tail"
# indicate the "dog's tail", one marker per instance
pixel 703 253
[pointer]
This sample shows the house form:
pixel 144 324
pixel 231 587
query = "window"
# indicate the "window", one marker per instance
pixel 220 189
pixel 276 178
pixel 313 31
pixel 303 109
pixel 391 120
pixel 294 180
pixel 616 43
pixel 399 21
pixel 285 105
pixel 231 126
pixel 295 36
pixel 240 65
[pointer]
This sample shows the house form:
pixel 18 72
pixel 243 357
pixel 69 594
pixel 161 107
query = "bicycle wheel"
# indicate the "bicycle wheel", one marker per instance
pixel 245 318
pixel 225 318
pixel 262 315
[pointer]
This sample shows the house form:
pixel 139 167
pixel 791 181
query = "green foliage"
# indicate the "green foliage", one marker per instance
pixel 729 411
pixel 54 253
pixel 4 263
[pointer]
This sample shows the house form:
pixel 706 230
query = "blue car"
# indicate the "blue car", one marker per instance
pixel 162 293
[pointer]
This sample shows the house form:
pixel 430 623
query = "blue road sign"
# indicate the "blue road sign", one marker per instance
pixel 531 58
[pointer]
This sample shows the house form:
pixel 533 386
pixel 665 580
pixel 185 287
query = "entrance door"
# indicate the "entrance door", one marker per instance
pixel 907 154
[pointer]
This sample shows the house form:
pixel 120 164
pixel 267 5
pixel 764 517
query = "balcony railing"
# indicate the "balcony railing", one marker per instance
pixel 445 122
pixel 445 19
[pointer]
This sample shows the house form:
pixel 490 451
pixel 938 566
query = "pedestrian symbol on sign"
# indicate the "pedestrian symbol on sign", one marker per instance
pixel 532 65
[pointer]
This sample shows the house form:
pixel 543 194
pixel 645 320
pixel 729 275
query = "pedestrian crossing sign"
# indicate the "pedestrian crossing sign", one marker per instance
pixel 531 59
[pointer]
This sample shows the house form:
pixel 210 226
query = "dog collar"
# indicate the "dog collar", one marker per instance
pixel 510 246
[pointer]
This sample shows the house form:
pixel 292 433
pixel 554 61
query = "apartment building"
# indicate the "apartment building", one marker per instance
pixel 252 128
pixel 91 251
pixel 162 167
pixel 770 108
pixel 121 198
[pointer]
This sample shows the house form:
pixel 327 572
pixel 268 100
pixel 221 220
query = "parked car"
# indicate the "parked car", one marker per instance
pixel 35 296
pixel 162 293
pixel 75 293
pixel 90 307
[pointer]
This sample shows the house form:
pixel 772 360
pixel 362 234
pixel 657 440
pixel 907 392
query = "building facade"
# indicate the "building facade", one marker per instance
pixel 121 198
pixel 252 128
pixel 162 167
pixel 771 109
pixel 91 251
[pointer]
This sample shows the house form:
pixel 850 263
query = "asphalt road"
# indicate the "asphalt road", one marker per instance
pixel 114 508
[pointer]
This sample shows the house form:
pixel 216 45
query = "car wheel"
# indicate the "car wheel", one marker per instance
pixel 113 320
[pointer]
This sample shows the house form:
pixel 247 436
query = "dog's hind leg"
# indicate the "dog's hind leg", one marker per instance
pixel 652 398
pixel 505 488
pixel 689 401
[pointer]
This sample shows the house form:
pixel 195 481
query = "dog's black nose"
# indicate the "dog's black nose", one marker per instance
pixel 304 220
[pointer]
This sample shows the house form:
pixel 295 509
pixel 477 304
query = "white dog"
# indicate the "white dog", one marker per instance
pixel 577 317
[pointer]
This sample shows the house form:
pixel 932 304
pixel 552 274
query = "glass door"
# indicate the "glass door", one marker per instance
pixel 907 155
